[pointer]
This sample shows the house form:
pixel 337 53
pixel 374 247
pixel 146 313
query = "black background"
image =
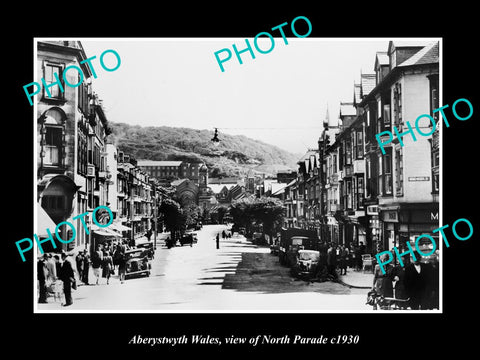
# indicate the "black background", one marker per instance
pixel 382 335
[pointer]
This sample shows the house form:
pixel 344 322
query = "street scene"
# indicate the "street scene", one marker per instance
pixel 167 185
pixel 238 276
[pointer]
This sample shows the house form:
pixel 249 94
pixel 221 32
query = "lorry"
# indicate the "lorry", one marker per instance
pixel 292 240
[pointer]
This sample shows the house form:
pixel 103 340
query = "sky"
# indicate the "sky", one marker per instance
pixel 280 98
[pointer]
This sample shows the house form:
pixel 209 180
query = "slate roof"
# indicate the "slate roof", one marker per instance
pixel 428 55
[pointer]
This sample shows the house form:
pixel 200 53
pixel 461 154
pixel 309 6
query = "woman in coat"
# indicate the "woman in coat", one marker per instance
pixel 107 266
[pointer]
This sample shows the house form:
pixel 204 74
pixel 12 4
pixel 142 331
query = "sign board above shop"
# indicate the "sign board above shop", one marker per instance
pixel 419 178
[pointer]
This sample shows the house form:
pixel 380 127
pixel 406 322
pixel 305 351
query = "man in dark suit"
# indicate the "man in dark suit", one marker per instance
pixel 418 281
pixel 67 276
pixel 42 274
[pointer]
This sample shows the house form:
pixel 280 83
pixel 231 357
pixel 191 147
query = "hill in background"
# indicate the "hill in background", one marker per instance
pixel 235 155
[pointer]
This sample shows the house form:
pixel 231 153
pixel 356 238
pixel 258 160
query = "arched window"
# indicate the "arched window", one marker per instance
pixel 52 132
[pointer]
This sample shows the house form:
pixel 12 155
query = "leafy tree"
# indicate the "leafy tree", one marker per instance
pixel 173 217
pixel 266 211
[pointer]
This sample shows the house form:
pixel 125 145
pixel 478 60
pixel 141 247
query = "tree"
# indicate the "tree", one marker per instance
pixel 192 214
pixel 266 211
pixel 269 211
pixel 173 217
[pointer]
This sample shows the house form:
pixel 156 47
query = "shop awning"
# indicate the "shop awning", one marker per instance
pixel 44 222
pixel 120 227
pixel 104 231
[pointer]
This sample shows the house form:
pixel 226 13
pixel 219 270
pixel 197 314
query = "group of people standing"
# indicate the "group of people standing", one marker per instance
pixel 333 257
pixel 55 271
pixel 416 285
pixel 58 269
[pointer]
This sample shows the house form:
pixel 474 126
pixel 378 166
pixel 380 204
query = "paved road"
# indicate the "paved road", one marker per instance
pixel 238 277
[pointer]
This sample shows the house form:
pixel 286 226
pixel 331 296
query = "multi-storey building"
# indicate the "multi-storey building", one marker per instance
pixel 172 170
pixel 71 133
pixel 382 200
pixel 401 188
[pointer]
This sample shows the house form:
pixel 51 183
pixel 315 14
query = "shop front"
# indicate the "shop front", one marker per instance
pixel 406 222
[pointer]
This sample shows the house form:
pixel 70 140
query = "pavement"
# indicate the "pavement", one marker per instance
pixel 357 278
pixel 240 276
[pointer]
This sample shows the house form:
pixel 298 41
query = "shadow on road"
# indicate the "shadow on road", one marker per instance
pixel 261 272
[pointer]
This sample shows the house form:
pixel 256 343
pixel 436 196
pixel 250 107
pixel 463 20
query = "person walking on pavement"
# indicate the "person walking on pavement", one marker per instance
pixel 332 260
pixel 218 240
pixel 42 274
pixel 107 266
pixel 343 260
pixel 122 262
pixel 68 277
pixel 97 258
pixel 79 263
pixel 86 267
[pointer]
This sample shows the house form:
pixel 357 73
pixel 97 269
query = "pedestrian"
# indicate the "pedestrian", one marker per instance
pixel 362 251
pixel 149 234
pixel 382 282
pixel 418 283
pixel 332 260
pixel 223 234
pixel 218 240
pixel 97 258
pixel 52 269
pixel 68 278
pixel 79 263
pixel 122 262
pixel 358 258
pixel 343 260
pixel 399 292
pixel 58 265
pixel 86 267
pixel 42 274
pixel 107 266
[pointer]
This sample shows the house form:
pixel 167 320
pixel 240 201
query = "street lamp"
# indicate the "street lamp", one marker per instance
pixel 215 139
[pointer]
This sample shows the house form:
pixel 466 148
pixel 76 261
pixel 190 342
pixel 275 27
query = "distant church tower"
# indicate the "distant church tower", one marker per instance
pixel 203 191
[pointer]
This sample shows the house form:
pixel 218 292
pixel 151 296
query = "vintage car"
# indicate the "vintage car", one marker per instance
pixel 137 262
pixel 306 264
pixel 188 238
pixel 147 246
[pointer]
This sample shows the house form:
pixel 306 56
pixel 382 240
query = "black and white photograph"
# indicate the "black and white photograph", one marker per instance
pixel 298 181
pixel 198 184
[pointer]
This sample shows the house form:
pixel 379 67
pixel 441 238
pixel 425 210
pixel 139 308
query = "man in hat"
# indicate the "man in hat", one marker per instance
pixel 67 276
pixel 42 274
pixel 418 281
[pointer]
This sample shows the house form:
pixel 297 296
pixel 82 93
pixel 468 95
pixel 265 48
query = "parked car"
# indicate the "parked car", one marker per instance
pixel 306 264
pixel 137 262
pixel 148 247
pixel 188 238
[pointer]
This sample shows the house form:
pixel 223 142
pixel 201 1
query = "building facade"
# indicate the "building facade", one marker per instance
pixel 71 133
